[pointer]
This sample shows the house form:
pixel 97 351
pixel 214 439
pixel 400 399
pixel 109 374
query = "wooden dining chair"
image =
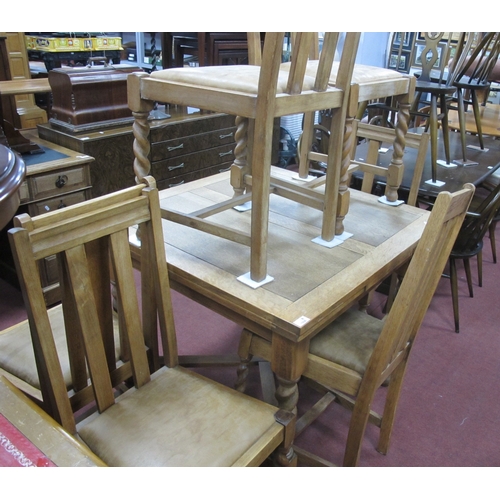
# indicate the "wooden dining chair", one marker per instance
pixel 490 184
pixel 469 244
pixel 170 416
pixel 474 80
pixel 367 83
pixel 441 59
pixel 357 353
pixel 376 137
pixel 255 94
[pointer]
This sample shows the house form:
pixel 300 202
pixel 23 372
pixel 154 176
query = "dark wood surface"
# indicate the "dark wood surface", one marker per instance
pixel 453 177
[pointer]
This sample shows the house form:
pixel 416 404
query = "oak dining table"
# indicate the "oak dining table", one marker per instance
pixel 312 285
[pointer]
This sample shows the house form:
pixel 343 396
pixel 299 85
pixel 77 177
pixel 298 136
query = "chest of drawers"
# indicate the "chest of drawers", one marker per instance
pixel 183 148
pixel 191 150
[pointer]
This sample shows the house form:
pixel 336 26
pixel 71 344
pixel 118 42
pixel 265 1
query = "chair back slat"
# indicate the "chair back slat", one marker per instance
pixel 481 57
pixel 303 43
pixel 254 48
pixel 83 298
pixel 127 297
pixel 326 58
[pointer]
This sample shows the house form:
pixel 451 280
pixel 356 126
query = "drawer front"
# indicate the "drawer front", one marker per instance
pixel 181 165
pixel 42 207
pixel 196 125
pixel 59 182
pixel 185 145
pixel 192 176
pixel 24 192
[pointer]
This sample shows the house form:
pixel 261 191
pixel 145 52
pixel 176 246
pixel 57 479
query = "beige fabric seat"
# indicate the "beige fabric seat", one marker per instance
pixel 362 74
pixel 234 78
pixel 185 408
pixel 17 359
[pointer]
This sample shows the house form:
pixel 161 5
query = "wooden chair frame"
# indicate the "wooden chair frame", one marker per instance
pixel 402 90
pixel 91 244
pixel 376 135
pixel 389 357
pixel 255 112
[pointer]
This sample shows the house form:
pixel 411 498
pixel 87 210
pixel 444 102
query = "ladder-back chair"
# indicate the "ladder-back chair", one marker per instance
pixel 255 94
pixel 469 244
pixel 171 416
pixel 367 83
pixel 357 353
pixel 375 136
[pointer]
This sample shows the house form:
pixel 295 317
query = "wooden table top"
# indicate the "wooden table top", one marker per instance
pixel 490 120
pixel 312 284
pixel 71 157
pixel 30 438
pixel 26 86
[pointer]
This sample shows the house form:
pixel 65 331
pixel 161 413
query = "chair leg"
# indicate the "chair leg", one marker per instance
pixel 477 117
pixel 446 131
pixel 492 229
pixel 391 403
pixel 469 276
pixel 433 132
pixel 245 357
pixel 357 427
pixel 461 118
pixel 454 292
pixel 480 268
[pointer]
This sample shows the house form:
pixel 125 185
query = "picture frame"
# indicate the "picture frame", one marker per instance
pixel 404 61
pixel 408 38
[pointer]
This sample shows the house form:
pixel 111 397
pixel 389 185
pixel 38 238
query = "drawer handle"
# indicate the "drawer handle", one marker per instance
pixel 224 169
pixel 173 185
pixel 226 153
pixel 176 167
pixel 173 148
pixel 61 204
pixel 226 135
pixel 61 181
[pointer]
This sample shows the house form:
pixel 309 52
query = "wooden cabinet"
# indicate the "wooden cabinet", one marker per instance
pixel 49 185
pixel 191 150
pixel 183 148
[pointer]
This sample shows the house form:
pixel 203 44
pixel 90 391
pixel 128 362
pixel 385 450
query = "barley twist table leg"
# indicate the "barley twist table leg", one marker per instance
pixel 287 394
pixel 395 169
pixel 344 195
pixel 240 166
pixel 141 145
